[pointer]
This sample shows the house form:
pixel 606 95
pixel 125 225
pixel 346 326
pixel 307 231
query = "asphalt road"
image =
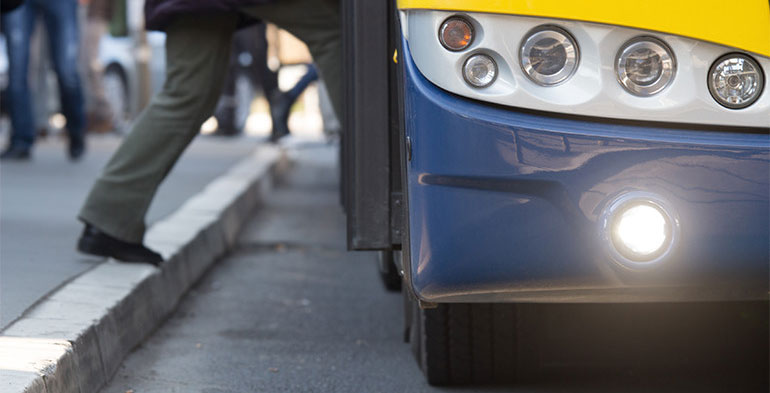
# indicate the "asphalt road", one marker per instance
pixel 291 311
pixel 39 201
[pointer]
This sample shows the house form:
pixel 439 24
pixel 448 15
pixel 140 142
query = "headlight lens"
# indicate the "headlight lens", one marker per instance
pixel 456 34
pixel 480 70
pixel 549 55
pixel 735 81
pixel 645 66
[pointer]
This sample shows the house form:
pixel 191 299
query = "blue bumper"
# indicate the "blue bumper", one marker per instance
pixel 505 205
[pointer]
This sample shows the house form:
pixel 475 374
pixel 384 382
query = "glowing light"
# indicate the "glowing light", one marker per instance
pixel 642 229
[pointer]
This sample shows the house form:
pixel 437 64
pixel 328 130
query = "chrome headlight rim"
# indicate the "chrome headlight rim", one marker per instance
pixel 754 63
pixel 668 60
pixel 565 39
pixel 443 27
pixel 494 64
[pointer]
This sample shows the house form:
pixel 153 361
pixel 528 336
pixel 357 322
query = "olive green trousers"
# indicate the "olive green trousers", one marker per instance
pixel 197 55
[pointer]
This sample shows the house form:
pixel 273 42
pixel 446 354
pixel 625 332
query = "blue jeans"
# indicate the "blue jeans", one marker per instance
pixel 310 76
pixel 60 18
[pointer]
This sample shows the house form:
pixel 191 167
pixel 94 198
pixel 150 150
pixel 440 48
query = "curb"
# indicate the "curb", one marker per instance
pixel 76 338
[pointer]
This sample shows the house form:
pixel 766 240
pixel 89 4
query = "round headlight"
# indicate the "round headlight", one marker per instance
pixel 480 70
pixel 735 81
pixel 645 66
pixel 456 34
pixel 549 55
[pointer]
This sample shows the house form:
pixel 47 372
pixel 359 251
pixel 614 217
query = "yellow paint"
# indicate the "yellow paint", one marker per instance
pixel 395 56
pixel 741 24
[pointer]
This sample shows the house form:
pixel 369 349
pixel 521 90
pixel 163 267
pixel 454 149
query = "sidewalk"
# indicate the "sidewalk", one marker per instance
pixel 69 319
pixel 39 202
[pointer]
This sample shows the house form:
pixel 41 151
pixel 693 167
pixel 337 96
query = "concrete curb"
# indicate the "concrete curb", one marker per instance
pixel 76 338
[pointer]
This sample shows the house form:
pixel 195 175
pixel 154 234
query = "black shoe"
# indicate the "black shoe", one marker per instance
pixel 95 242
pixel 16 153
pixel 77 147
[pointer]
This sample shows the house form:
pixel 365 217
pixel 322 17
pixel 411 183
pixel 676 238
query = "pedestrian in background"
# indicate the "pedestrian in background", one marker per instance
pixel 99 114
pixel 248 58
pixel 60 19
pixel 198 47
pixel 252 42
pixel 280 106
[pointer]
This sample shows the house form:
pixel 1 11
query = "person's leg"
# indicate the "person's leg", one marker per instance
pixel 227 104
pixel 310 76
pixel 61 22
pixel 197 53
pixel 259 70
pixel 267 79
pixel 17 28
pixel 317 23
pixel 39 89
pixel 280 105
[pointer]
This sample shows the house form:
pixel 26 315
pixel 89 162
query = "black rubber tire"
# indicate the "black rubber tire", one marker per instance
pixel 458 344
pixel 388 271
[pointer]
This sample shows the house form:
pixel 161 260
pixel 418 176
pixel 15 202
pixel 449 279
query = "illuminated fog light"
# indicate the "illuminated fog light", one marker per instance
pixel 645 66
pixel 480 70
pixel 735 81
pixel 549 55
pixel 456 34
pixel 640 229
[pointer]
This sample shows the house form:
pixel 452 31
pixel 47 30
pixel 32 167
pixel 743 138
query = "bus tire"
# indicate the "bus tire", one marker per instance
pixel 463 344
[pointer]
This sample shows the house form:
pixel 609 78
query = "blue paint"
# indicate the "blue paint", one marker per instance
pixel 503 201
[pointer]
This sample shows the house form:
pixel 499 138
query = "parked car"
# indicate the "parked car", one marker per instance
pixel 134 62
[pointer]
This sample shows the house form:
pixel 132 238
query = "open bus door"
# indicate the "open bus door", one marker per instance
pixel 370 149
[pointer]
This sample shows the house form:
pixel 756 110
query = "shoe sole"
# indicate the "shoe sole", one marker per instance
pixel 88 246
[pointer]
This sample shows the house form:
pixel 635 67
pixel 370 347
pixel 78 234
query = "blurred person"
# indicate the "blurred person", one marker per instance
pixel 280 106
pixel 60 18
pixel 198 47
pixel 99 115
pixel 41 91
pixel 252 41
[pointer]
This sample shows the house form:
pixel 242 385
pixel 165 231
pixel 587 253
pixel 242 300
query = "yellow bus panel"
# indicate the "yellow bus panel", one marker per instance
pixel 741 24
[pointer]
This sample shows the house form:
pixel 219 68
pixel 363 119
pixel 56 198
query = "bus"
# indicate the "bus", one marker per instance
pixel 501 153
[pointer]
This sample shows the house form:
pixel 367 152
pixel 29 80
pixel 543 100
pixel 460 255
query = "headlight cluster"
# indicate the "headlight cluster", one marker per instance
pixel 645 66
